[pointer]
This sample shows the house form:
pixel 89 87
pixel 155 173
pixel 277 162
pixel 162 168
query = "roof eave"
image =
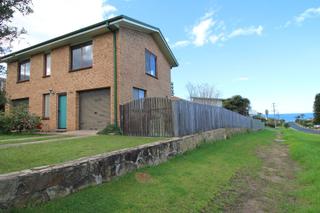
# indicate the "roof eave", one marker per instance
pixel 52 42
pixel 107 25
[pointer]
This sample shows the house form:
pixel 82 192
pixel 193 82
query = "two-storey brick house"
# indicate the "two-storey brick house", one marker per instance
pixel 78 80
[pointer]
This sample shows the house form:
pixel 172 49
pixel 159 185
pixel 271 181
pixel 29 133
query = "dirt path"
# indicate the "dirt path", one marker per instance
pixel 267 190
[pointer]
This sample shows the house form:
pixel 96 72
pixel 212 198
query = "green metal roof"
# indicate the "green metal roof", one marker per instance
pixel 108 23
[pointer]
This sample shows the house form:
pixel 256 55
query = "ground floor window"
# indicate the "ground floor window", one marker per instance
pixel 46 106
pixel 139 93
pixel 23 102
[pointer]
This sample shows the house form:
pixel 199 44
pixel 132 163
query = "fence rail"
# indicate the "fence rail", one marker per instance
pixel 166 117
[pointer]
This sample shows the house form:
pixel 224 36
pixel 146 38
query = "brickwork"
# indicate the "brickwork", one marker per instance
pixel 131 73
pixel 132 58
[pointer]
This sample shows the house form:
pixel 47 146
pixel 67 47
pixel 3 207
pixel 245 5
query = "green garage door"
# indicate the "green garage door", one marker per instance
pixel 94 109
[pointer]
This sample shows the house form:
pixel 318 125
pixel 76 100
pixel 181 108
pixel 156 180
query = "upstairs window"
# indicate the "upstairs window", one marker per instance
pixel 81 56
pixel 139 93
pixel 47 65
pixel 24 71
pixel 151 63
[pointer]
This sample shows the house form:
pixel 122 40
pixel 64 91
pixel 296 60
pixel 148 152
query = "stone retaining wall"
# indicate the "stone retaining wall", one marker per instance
pixel 42 184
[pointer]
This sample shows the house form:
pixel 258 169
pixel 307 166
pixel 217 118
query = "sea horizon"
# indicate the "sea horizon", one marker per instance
pixel 288 117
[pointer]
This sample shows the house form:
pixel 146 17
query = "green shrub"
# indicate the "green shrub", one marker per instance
pixel 270 125
pixel 19 120
pixel 286 125
pixel 5 123
pixel 111 129
pixel 3 100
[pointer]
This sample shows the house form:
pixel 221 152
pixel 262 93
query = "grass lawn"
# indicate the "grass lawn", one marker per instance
pixel 305 149
pixel 186 183
pixel 34 155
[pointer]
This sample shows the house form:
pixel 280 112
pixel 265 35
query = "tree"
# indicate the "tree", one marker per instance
pixel 203 90
pixel 267 114
pixel 9 33
pixel 237 104
pixel 316 109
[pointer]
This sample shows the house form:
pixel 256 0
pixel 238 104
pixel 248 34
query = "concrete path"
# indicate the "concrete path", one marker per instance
pixel 43 141
pixel 80 133
pixel 33 140
pixel 303 129
pixel 30 138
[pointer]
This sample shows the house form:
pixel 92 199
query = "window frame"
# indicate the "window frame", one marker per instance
pixel 19 80
pixel 80 46
pixel 139 89
pixel 44 117
pixel 45 73
pixel 156 63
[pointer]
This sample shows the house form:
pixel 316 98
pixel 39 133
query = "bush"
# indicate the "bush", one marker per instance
pixel 286 125
pixel 5 123
pixel 268 124
pixel 19 120
pixel 110 130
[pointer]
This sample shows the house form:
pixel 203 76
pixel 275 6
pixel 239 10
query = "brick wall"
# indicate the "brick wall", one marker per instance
pixel 63 81
pixel 131 47
pixel 132 66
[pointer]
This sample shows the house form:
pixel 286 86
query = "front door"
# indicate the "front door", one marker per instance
pixel 62 112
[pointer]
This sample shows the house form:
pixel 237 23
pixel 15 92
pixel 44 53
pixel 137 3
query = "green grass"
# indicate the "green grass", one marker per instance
pixel 305 149
pixel 31 139
pixel 34 155
pixel 186 183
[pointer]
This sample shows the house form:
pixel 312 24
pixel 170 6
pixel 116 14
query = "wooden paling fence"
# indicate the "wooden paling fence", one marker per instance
pixel 166 117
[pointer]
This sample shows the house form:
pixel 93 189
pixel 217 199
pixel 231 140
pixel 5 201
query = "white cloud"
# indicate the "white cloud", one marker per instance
pixel 309 13
pixel 208 15
pixel 202 30
pixel 182 43
pixel 54 18
pixel 243 78
pixel 246 31
pixel 216 38
pixel 107 8
pixel 210 30
pixel 302 17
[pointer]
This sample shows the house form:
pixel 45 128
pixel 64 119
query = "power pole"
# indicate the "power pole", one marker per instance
pixel 274 114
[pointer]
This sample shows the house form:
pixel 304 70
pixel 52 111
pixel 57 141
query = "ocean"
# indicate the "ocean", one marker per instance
pixel 292 116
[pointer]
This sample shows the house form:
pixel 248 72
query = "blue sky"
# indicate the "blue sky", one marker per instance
pixel 267 51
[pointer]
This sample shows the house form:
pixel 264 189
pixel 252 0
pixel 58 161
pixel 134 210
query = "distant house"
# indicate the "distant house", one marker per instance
pixel 208 101
pixel 2 84
pixel 78 80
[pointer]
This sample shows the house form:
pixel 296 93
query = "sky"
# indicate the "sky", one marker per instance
pixel 267 51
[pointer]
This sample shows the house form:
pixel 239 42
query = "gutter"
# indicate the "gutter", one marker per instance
pixel 113 23
pixel 54 41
